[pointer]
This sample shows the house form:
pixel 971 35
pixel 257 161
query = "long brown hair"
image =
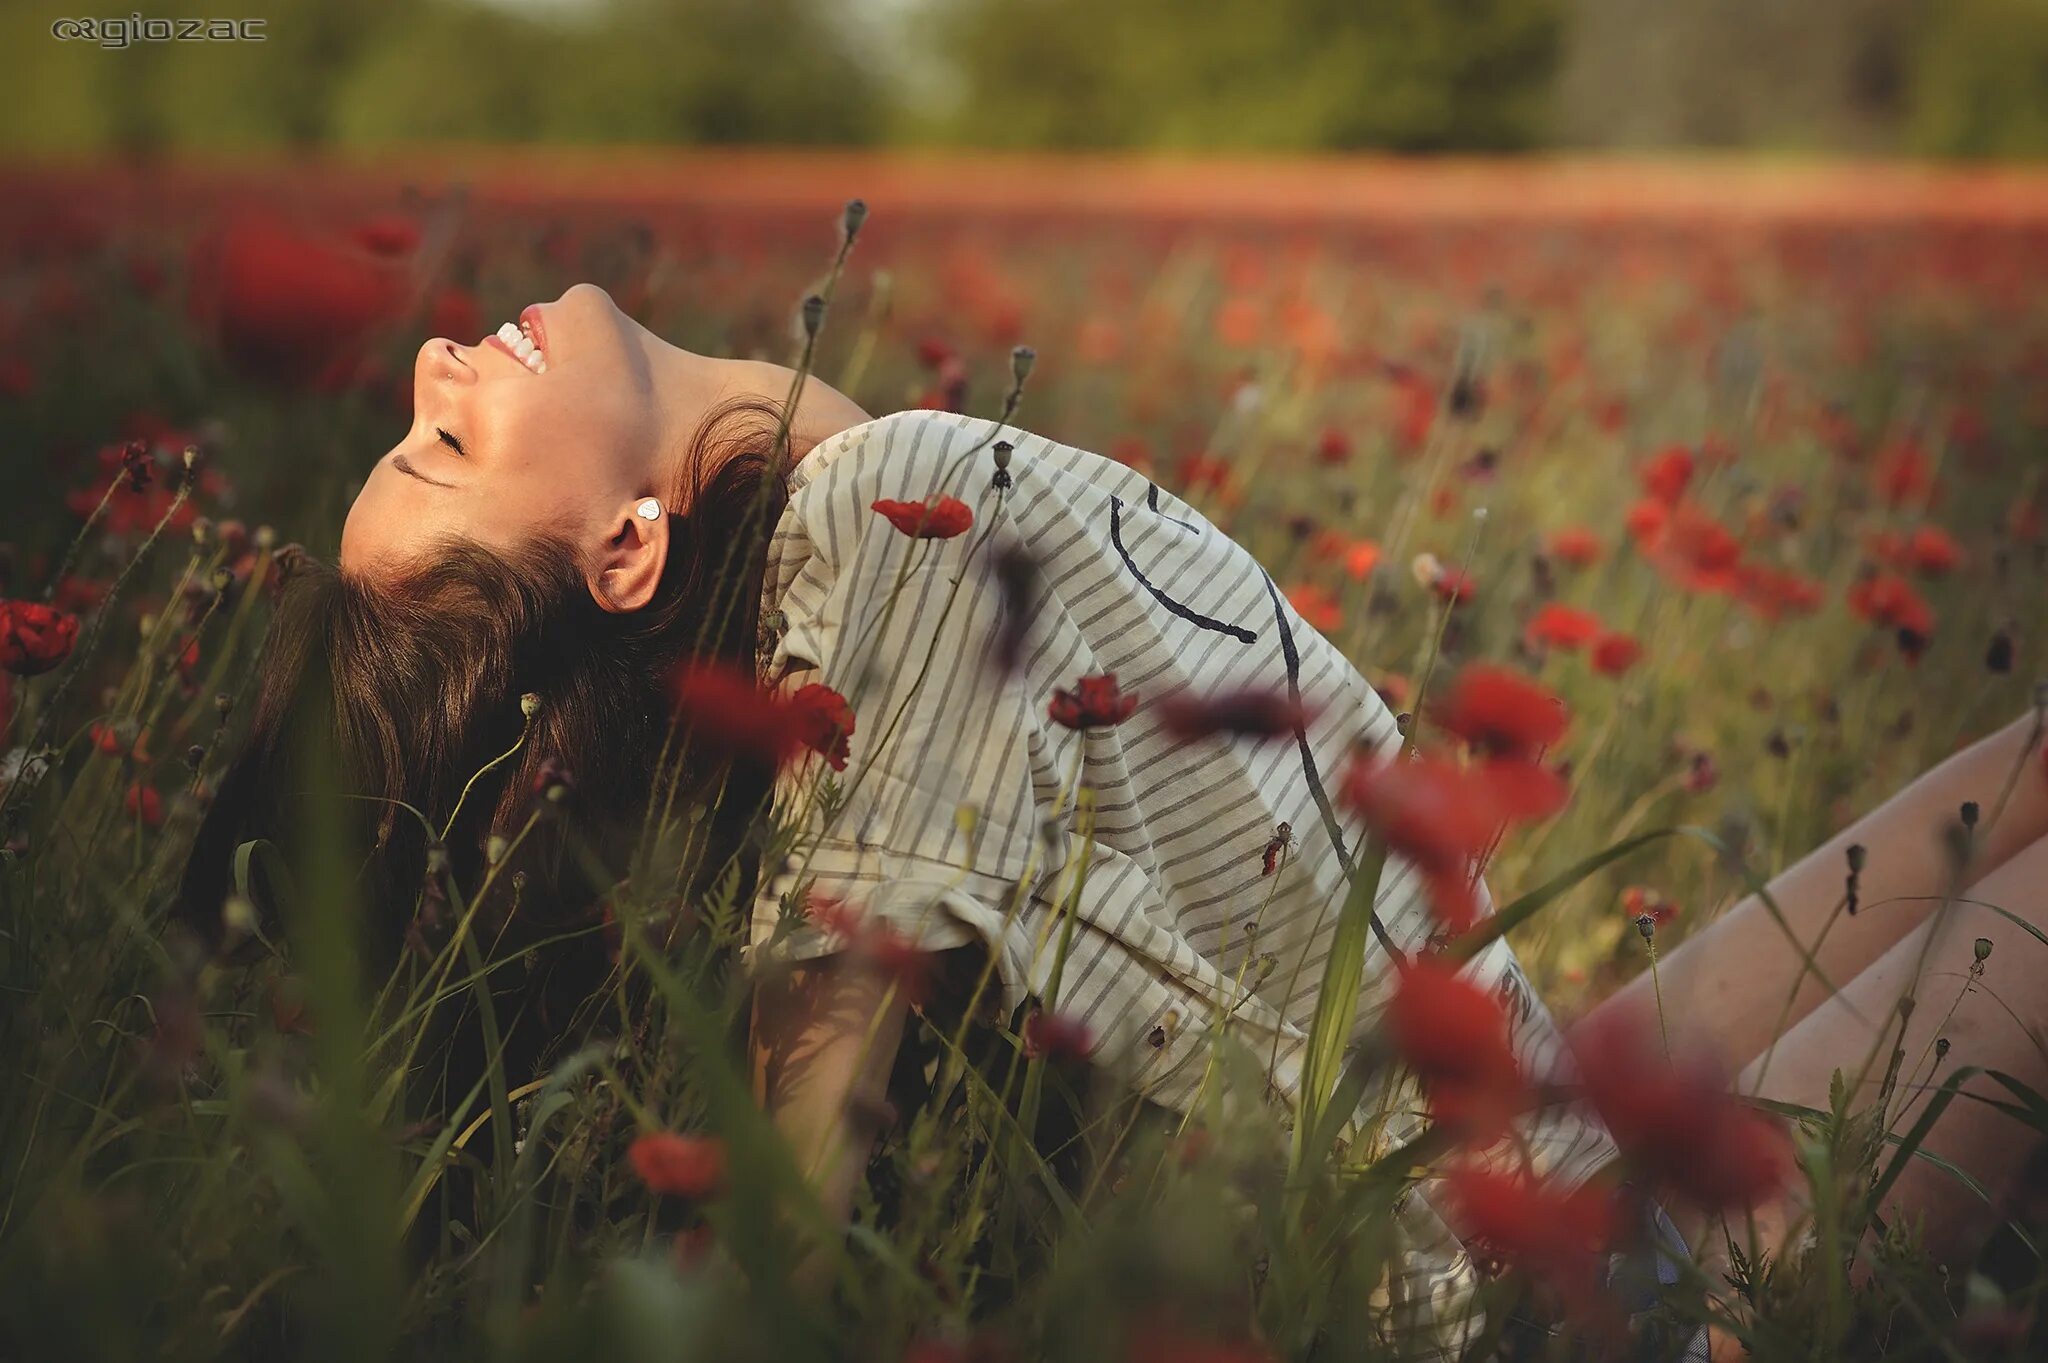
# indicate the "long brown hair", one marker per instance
pixel 416 685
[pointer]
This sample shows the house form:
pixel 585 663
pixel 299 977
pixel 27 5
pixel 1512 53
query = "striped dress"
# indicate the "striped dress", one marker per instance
pixel 957 818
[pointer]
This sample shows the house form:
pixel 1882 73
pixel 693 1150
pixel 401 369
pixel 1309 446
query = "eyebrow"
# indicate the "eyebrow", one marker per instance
pixel 404 465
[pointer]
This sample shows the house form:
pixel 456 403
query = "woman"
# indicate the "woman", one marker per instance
pixel 577 501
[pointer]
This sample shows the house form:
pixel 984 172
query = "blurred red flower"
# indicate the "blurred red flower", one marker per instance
pixel 34 637
pixel 1055 1037
pixel 870 938
pixel 823 720
pixel 1501 712
pixel 1454 1034
pixel 1890 602
pixel 684 1166
pixel 1333 446
pixel 1933 552
pixel 1562 627
pixel 1315 605
pixel 1615 653
pixel 1666 476
pixel 1676 1121
pixel 144 803
pixel 1640 901
pixel 730 713
pixel 1093 702
pixel 1575 545
pixel 1550 1232
pixel 927 519
pixel 287 303
pixel 1245 712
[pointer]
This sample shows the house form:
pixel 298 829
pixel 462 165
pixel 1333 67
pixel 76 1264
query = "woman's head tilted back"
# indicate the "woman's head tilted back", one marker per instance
pixel 498 551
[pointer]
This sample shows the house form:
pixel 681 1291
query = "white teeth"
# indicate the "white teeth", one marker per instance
pixel 523 349
pixel 522 345
pixel 509 334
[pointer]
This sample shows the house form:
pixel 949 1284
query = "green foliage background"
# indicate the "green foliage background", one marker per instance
pixel 1944 78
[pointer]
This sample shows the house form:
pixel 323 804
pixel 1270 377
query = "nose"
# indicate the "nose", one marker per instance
pixel 441 359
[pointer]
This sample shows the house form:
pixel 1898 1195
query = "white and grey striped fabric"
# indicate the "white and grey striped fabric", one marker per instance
pixel 1175 923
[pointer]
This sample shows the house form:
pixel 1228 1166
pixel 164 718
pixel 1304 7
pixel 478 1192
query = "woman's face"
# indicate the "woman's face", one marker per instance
pixel 499 452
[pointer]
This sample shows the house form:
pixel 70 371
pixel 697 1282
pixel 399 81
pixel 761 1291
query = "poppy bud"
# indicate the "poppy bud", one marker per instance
pixel 1021 360
pixel 529 705
pixel 1941 1048
pixel 1857 855
pixel 855 214
pixel 1968 813
pixel 1983 949
pixel 814 314
pixel 222 703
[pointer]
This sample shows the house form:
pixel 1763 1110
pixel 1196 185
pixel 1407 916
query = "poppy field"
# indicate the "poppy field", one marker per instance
pixel 1683 514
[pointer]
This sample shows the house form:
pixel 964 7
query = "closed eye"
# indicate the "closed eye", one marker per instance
pixel 451 442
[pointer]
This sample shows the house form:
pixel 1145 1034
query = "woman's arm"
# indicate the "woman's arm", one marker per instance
pixel 1733 979
pixel 825 1035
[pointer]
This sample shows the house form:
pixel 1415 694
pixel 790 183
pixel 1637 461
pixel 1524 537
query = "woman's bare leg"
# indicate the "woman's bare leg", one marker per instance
pixel 1998 1022
pixel 1733 982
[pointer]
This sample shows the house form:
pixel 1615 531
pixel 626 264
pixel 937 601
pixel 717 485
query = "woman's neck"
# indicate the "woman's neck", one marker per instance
pixel 688 385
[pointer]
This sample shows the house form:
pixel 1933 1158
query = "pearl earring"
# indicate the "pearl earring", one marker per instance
pixel 649 510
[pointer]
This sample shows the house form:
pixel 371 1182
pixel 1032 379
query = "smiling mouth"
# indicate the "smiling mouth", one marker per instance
pixel 525 341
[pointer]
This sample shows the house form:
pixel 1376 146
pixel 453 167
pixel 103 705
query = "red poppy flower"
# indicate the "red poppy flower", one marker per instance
pixel 1440 816
pixel 1093 702
pixel 1697 551
pixel 1903 476
pixel 1639 901
pixel 143 802
pixel 1550 1232
pixel 1453 586
pixel 1890 602
pixel 1773 593
pixel 729 712
pixel 1055 1037
pixel 1360 559
pixel 927 519
pixel 1575 545
pixel 1500 711
pixel 1676 1121
pixel 684 1166
pixel 1316 606
pixel 288 303
pixel 34 637
pixel 1644 522
pixel 824 720
pixel 1248 712
pixel 1454 1035
pixel 1933 552
pixel 1562 627
pixel 1665 477
pixel 1615 653
pixel 1333 446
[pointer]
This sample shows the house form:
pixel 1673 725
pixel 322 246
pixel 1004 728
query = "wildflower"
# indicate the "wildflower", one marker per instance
pixel 685 1166
pixel 1501 712
pixel 1576 546
pixel 1562 627
pixel 1903 476
pixel 1639 902
pixel 1316 606
pixel 1454 1035
pixel 824 720
pixel 940 518
pixel 731 713
pixel 1615 653
pixel 1644 522
pixel 1440 816
pixel 1248 712
pixel 1932 551
pixel 34 637
pixel 1333 446
pixel 1535 1225
pixel 144 803
pixel 1360 559
pixel 1676 1121
pixel 1055 1037
pixel 1889 601
pixel 1093 702
pixel 1665 477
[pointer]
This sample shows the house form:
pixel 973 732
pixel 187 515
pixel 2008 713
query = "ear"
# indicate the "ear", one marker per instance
pixel 630 560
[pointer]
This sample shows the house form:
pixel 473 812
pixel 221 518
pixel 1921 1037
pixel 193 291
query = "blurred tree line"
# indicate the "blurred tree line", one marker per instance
pixel 1929 77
